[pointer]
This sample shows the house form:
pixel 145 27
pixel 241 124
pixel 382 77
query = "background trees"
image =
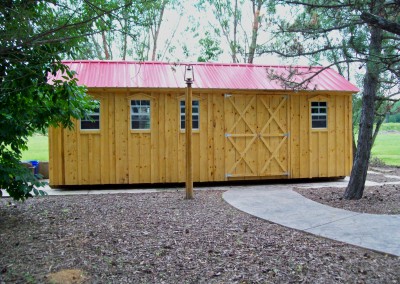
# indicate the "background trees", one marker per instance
pixel 241 35
pixel 336 31
pixel 129 33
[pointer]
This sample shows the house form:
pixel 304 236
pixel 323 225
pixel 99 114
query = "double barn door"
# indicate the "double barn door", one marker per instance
pixel 257 135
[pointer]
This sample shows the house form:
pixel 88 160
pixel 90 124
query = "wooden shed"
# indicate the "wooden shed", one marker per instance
pixel 245 125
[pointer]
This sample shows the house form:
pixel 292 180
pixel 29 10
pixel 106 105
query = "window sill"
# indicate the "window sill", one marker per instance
pixel 90 131
pixel 138 131
pixel 319 129
pixel 194 131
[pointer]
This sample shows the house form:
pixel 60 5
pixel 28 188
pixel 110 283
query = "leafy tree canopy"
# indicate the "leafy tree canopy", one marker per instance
pixel 35 35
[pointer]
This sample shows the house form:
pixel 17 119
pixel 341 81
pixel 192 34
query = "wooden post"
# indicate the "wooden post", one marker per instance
pixel 188 130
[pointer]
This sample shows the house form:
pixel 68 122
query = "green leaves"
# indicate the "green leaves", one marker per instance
pixel 31 49
pixel 210 48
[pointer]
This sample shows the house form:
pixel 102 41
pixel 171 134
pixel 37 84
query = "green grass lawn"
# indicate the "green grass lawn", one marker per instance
pixel 386 148
pixel 390 126
pixel 38 148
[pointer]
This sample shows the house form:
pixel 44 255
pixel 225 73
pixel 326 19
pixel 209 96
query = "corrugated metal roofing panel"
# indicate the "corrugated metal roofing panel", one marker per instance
pixel 126 74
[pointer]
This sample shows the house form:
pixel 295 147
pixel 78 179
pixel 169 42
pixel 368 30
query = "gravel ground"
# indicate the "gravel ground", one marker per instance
pixel 161 238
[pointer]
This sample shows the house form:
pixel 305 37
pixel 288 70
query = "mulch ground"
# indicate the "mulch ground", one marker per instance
pixel 384 174
pixel 381 199
pixel 384 199
pixel 161 238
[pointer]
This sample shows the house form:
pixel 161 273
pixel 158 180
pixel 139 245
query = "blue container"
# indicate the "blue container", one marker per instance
pixel 35 164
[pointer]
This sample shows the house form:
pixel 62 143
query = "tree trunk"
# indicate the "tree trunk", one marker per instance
pixel 376 130
pixel 354 145
pixel 125 28
pixel 157 30
pixel 355 189
pixel 125 46
pixel 235 24
pixel 97 47
pixel 105 46
pixel 254 32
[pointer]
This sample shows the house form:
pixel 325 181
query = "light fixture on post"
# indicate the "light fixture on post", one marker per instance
pixel 189 78
pixel 189 74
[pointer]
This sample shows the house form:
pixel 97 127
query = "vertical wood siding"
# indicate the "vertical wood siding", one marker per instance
pixel 270 137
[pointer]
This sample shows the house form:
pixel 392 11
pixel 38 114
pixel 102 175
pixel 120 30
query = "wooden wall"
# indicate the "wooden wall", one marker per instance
pixel 242 135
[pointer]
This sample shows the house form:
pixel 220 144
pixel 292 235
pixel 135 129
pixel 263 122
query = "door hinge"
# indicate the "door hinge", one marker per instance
pixel 228 175
pixel 228 135
pixel 227 95
pixel 287 134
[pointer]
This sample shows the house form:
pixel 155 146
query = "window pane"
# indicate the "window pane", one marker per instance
pixel 195 114
pixel 319 124
pixel 140 114
pixel 135 109
pixel 319 115
pixel 90 125
pixel 135 124
pixel 142 124
pixel 92 120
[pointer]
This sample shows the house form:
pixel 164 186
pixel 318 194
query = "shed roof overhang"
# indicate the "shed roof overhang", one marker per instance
pixel 161 75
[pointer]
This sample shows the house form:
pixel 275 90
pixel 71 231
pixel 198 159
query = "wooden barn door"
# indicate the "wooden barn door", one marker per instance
pixel 241 135
pixel 273 146
pixel 257 136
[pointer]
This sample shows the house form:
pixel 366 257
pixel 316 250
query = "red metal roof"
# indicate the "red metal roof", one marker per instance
pixel 129 74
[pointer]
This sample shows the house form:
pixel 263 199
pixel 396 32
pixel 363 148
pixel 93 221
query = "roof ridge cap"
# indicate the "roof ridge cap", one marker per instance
pixel 194 63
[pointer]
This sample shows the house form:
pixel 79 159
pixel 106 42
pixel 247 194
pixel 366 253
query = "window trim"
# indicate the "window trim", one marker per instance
pixel 319 114
pixel 183 114
pixel 139 113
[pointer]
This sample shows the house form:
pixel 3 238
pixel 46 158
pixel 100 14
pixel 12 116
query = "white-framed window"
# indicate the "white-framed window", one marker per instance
pixel 319 117
pixel 140 114
pixel 92 120
pixel 195 115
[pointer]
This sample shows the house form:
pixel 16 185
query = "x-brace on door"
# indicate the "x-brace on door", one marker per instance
pixel 257 135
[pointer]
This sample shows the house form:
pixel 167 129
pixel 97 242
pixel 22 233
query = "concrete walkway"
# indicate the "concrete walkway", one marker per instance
pixel 281 205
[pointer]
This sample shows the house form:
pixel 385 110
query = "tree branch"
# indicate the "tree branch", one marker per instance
pixel 318 5
pixel 289 83
pixel 36 38
pixel 320 31
pixel 381 23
